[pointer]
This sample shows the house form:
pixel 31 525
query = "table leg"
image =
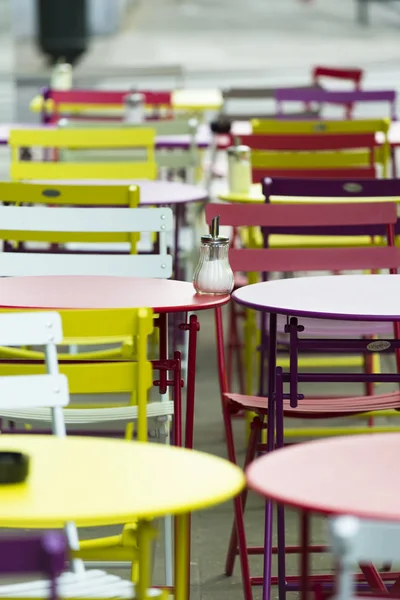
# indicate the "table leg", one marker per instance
pixel 270 448
pixel 304 556
pixel 182 557
pixel 145 534
pixel 193 327
pixel 164 393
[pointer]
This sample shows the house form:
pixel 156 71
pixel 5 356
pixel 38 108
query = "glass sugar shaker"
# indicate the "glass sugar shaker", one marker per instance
pixel 134 107
pixel 239 169
pixel 213 274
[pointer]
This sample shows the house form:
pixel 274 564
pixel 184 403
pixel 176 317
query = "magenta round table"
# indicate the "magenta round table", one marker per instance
pixel 337 476
pixel 164 296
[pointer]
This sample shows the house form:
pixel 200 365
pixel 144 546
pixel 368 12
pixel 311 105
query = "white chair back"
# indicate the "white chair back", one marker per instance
pixel 39 391
pixel 84 220
pixel 355 541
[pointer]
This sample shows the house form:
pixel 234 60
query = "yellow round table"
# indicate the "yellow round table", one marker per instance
pixel 102 482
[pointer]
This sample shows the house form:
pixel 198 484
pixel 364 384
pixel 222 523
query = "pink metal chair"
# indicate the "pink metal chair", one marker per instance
pixel 155 101
pixel 313 188
pixel 291 260
pixel 45 555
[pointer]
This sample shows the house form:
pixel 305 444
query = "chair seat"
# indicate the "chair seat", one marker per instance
pixel 337 329
pixel 90 584
pixel 90 415
pixel 315 408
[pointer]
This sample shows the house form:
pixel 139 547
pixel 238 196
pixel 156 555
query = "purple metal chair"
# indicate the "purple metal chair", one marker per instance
pixel 321 97
pixel 44 555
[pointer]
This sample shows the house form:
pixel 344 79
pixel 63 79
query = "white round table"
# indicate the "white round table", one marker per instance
pixel 344 297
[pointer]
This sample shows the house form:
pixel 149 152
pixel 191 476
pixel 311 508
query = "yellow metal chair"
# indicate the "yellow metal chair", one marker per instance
pixel 140 141
pixel 90 380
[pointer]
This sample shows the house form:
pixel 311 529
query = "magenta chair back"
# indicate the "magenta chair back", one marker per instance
pixel 44 555
pixel 275 216
pixel 346 98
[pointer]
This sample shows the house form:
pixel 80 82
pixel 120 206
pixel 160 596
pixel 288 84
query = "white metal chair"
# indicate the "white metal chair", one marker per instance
pixel 355 541
pixel 50 391
pixel 27 223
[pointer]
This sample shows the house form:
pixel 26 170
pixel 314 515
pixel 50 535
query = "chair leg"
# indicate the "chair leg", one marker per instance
pixel 250 455
pixel 369 387
pixel 280 509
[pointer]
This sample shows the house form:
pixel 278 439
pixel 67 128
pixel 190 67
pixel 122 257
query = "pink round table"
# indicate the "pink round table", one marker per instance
pixel 97 292
pixel 337 476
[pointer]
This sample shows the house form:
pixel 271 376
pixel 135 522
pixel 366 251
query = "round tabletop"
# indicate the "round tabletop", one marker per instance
pixel 81 292
pixel 151 192
pixel 347 297
pixel 76 479
pixel 344 475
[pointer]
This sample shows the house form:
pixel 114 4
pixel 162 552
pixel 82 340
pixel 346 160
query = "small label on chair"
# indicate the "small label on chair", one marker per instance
pixel 352 188
pixel 378 346
pixel 51 193
pixel 319 127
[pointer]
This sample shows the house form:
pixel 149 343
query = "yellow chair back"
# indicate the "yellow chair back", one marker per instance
pixel 325 159
pixel 140 142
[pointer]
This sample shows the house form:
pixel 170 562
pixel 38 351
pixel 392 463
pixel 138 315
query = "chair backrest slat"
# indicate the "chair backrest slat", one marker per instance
pixel 331 188
pixel 21 264
pixel 299 215
pixel 69 195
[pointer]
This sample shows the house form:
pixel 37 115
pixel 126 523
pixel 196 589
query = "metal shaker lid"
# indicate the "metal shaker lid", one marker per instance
pixel 215 241
pixel 239 151
pixel 134 98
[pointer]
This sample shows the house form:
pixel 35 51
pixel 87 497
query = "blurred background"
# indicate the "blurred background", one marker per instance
pixel 215 42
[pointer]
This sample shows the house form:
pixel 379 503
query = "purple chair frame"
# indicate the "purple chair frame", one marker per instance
pixel 45 555
pixel 322 96
pixel 299 216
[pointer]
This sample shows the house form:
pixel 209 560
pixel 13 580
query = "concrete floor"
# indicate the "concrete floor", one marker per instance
pixel 227 42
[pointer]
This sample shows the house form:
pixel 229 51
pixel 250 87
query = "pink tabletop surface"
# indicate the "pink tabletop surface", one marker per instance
pixel 347 297
pixel 354 475
pixel 151 192
pixel 163 295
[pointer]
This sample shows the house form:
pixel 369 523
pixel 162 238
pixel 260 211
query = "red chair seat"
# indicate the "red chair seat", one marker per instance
pixel 321 407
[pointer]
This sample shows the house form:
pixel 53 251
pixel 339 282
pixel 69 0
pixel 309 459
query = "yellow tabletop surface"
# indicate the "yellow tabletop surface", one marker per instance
pixel 98 481
pixel 185 99
pixel 255 195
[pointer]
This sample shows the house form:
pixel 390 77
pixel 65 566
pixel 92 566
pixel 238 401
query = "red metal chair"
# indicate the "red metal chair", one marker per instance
pixel 267 260
pixel 339 74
